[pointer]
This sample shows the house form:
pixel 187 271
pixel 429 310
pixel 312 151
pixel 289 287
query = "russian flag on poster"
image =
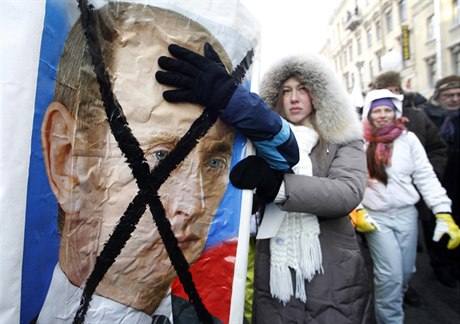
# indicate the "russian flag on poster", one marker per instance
pixel 76 219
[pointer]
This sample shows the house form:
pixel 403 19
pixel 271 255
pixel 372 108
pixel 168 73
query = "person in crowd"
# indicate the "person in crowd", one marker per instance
pixel 443 110
pixel 422 127
pixel 436 150
pixel 310 270
pixel 398 170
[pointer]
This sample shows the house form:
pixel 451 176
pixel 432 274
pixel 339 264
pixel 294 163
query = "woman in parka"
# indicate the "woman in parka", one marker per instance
pixel 312 270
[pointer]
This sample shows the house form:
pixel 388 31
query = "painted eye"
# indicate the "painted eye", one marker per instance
pixel 160 155
pixel 157 154
pixel 217 163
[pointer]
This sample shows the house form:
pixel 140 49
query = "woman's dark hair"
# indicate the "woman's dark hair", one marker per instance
pixel 375 169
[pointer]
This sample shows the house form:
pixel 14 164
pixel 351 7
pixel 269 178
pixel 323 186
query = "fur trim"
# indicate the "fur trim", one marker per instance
pixel 337 119
pixel 387 79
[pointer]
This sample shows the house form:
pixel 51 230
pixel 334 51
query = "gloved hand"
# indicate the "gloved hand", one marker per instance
pixel 254 173
pixel 362 221
pixel 446 225
pixel 200 79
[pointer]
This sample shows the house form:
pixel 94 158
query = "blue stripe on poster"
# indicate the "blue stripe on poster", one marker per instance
pixel 41 239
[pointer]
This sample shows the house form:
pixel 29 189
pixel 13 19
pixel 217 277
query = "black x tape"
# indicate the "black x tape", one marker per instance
pixel 148 182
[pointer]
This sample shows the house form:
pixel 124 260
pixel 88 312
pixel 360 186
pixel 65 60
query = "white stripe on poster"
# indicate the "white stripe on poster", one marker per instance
pixel 20 39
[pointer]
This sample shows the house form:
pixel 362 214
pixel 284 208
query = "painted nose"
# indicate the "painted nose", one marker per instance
pixel 182 193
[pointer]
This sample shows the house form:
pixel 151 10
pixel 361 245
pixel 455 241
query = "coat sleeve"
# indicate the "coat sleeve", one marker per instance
pixel 425 179
pixel 270 133
pixel 334 195
pixel 435 147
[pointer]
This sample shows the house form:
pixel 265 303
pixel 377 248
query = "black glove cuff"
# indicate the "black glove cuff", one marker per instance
pixel 270 185
pixel 254 172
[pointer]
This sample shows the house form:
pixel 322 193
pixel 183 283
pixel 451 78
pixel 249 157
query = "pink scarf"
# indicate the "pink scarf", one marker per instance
pixel 383 139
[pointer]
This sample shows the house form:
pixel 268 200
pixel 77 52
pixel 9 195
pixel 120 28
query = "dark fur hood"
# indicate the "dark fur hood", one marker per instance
pixel 337 119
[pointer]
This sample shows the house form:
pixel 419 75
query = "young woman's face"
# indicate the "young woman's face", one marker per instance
pixel 382 115
pixel 296 102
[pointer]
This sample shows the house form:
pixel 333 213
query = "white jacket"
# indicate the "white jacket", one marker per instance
pixel 410 170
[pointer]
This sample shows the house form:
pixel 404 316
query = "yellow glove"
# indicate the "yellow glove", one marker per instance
pixel 445 224
pixel 362 221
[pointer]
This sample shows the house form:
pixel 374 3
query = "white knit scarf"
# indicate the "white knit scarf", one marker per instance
pixel 296 244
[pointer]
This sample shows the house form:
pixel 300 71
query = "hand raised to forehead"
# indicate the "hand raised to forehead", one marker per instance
pixel 211 54
pixel 200 79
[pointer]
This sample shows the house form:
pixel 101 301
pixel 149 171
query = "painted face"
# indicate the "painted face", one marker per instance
pixel 381 116
pixel 450 99
pixel 296 101
pixel 190 196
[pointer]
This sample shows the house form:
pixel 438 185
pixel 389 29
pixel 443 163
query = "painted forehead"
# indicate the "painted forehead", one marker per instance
pixel 133 63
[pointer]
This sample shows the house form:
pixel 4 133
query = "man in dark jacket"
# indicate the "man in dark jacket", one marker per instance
pixel 443 109
pixel 436 150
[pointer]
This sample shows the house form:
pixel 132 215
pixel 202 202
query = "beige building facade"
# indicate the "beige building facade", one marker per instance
pixel 418 38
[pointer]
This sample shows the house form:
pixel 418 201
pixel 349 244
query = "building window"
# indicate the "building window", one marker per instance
pixel 350 53
pixel 389 20
pixel 345 61
pixel 402 10
pixel 338 32
pixel 378 30
pixel 457 63
pixel 358 44
pixel 371 69
pixel 455 12
pixel 430 28
pixel 431 69
pixel 347 81
pixel 369 36
pixel 352 83
pixel 456 59
pixel 379 61
pixel 361 74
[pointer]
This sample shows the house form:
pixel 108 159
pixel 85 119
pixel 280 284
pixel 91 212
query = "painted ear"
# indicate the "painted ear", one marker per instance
pixel 58 129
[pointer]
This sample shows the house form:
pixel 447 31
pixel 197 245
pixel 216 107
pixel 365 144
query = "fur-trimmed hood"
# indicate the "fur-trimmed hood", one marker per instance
pixel 335 116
